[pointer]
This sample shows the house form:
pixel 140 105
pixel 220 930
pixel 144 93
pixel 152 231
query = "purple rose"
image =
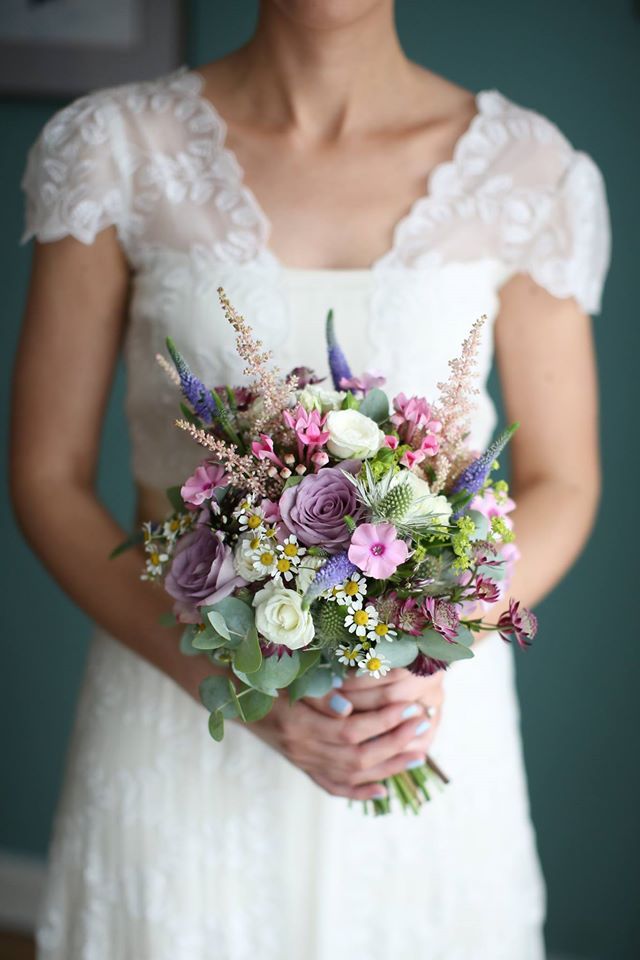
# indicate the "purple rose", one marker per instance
pixel 314 509
pixel 201 572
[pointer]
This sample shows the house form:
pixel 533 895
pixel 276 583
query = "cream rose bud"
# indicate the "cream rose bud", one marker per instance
pixel 351 434
pixel 280 617
pixel 425 503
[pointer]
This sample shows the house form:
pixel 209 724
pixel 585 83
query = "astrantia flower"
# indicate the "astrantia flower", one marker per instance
pixel 274 649
pixel 410 618
pixel 518 622
pixel 350 654
pixel 352 592
pixel 486 589
pixel 360 621
pixel 442 616
pixel 424 666
pixel 375 548
pixel 382 631
pixel 374 664
pixel 369 380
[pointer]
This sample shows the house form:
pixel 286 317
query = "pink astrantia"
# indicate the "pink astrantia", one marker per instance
pixel 376 550
pixel 202 484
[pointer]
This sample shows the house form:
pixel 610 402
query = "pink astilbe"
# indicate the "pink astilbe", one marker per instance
pixel 453 410
pixel 266 381
pixel 169 369
pixel 242 471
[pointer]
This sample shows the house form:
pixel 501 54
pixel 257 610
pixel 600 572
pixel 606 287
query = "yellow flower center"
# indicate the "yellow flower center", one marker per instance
pixel 365 644
pixel 254 521
pixel 382 630
pixel 271 532
pixel 266 559
pixel 155 558
pixel 291 549
pixel 361 617
pixel 351 588
pixel 255 543
pixel 374 664
pixel 351 654
pixel 174 525
pixel 284 565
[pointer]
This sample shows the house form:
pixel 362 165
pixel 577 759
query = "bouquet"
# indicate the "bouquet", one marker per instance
pixel 329 531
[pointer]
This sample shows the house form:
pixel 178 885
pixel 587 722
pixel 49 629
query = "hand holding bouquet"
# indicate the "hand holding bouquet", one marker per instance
pixel 329 531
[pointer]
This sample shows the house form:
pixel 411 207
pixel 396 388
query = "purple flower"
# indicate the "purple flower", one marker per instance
pixel 193 389
pixel 443 617
pixel 201 572
pixel 334 571
pixel 518 622
pixel 314 509
pixel 473 478
pixel 337 361
pixel 486 589
pixel 424 666
pixel 305 376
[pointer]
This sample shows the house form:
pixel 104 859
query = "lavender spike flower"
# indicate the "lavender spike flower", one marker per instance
pixel 193 389
pixel 334 571
pixel 337 361
pixel 474 477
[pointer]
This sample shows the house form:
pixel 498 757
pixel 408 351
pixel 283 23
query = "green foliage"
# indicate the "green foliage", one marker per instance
pixel 376 405
pixel 190 416
pixel 175 499
pixel 132 541
pixel 400 652
pixel 254 705
pixel 314 683
pixel 434 645
pixel 350 402
pixel 216 726
pixel 232 618
pixel 273 675
pixel 248 657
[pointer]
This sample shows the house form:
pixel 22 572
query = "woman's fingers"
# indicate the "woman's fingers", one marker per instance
pixel 425 690
pixel 353 682
pixel 333 704
pixel 367 791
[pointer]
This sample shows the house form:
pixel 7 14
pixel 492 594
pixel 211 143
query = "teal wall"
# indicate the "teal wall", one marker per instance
pixel 578 61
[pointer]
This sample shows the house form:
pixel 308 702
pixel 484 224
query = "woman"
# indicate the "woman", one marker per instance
pixel 143 199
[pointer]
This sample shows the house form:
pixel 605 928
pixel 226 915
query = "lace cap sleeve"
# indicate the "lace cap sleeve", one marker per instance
pixel 569 253
pixel 74 176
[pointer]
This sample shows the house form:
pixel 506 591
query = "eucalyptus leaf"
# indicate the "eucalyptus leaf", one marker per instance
pixel 400 652
pixel 376 405
pixel 214 692
pixel 464 635
pixel 186 642
pixel 238 617
pixel 218 622
pixel 482 525
pixel 434 645
pixel 316 682
pixel 273 674
pixel 248 656
pixel 308 659
pixel 208 639
pixel 216 725
pixel 255 705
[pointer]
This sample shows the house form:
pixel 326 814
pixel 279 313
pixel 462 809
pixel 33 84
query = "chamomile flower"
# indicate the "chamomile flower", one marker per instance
pixel 361 621
pixel 350 654
pixel 249 516
pixel 265 558
pixel 155 561
pixel 352 592
pixel 283 567
pixel 176 525
pixel 382 631
pixel 151 533
pixel 373 664
pixel 291 550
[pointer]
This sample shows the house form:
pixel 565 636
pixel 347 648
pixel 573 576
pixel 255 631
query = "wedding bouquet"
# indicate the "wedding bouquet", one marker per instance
pixel 329 531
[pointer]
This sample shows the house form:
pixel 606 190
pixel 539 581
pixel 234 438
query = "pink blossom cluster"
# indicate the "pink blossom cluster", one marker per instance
pixel 417 427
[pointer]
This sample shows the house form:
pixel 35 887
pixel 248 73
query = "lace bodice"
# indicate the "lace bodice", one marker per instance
pixel 150 158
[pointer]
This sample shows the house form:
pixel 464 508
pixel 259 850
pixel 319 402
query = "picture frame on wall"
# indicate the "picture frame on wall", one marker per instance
pixel 64 48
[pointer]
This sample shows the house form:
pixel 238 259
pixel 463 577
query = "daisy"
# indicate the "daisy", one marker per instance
pixel 361 621
pixel 172 528
pixel 283 568
pixel 373 664
pixel 349 654
pixel 154 564
pixel 291 550
pixel 264 559
pixel 382 631
pixel 250 517
pixel 352 592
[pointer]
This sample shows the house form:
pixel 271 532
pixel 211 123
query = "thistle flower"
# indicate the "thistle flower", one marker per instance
pixel 337 361
pixel 193 389
pixel 518 622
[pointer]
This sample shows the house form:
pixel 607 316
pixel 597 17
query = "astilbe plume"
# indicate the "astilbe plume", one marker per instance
pixel 266 380
pixel 453 410
pixel 244 472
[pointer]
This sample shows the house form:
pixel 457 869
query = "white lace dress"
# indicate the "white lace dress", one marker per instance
pixel 166 845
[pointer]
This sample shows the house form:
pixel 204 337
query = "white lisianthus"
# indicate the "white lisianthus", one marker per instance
pixel 306 572
pixel 425 503
pixel 244 557
pixel 315 397
pixel 280 617
pixel 351 434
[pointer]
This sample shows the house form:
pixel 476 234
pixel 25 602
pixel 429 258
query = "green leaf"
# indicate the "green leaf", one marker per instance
pixel 400 652
pixel 167 620
pixel 127 544
pixel 217 621
pixel 376 405
pixel 292 481
pixel 175 499
pixel 248 656
pixel 482 525
pixel 208 639
pixel 434 645
pixel 237 615
pixel 190 416
pixel 308 659
pixel 464 635
pixel 314 683
pixel 216 725
pixel 350 402
pixel 273 674
pixel 255 705
pixel 186 642
pixel 214 692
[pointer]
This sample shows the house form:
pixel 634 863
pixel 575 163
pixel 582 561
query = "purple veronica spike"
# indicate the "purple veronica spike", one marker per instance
pixel 193 389
pixel 335 571
pixel 337 361
pixel 473 478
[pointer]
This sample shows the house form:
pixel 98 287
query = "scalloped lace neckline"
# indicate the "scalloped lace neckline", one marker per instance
pixel 442 173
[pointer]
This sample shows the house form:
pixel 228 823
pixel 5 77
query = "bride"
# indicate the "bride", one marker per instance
pixel 292 172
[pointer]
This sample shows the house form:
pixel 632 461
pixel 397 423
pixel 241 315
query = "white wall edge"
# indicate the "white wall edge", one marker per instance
pixel 21 887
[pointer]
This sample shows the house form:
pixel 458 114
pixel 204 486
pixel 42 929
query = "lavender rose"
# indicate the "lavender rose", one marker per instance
pixel 314 509
pixel 201 572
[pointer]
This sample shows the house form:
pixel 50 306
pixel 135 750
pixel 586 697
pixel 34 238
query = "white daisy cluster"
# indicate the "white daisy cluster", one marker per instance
pixel 365 624
pixel 159 541
pixel 258 554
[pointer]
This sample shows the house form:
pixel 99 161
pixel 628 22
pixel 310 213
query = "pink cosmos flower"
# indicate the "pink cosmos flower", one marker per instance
pixel 203 483
pixel 376 550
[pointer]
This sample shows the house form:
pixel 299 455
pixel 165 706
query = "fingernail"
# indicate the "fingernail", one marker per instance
pixel 413 764
pixel 411 711
pixel 337 682
pixel 339 704
pixel 380 793
pixel 422 727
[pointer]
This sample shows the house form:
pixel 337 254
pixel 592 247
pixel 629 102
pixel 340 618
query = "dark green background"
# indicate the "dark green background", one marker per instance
pixel 578 62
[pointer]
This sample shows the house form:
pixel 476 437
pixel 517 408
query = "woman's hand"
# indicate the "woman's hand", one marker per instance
pixel 346 752
pixel 400 686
